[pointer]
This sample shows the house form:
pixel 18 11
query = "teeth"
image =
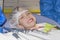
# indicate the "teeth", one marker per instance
pixel 30 20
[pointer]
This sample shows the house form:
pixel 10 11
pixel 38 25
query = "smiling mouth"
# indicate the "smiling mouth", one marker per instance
pixel 30 20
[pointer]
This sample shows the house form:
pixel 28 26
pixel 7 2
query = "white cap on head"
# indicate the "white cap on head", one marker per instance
pixel 18 14
pixel 15 16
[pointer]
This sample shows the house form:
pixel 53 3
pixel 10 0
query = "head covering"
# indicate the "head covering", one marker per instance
pixel 16 15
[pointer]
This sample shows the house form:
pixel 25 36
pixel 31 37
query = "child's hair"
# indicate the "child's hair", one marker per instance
pixel 16 14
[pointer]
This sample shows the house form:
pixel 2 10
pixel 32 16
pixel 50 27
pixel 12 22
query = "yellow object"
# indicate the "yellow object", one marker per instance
pixel 35 10
pixel 7 10
pixel 48 27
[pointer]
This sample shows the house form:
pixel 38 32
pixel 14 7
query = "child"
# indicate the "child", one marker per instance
pixel 26 27
pixel 23 19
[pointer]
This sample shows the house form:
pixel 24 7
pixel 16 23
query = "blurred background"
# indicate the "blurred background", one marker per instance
pixel 9 5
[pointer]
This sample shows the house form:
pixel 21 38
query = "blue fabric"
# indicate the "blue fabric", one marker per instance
pixel 1 29
pixel 50 9
pixel 2 18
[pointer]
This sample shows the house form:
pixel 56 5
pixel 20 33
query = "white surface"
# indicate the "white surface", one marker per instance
pixel 53 35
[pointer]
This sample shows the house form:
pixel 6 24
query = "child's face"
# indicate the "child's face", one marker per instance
pixel 27 20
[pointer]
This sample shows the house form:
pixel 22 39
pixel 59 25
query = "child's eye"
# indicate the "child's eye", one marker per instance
pixel 28 14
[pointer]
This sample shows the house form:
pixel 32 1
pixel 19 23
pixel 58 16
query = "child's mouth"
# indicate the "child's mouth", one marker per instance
pixel 30 20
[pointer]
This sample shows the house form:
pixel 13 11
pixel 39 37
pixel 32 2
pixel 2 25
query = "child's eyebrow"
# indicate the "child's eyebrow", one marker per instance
pixel 28 12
